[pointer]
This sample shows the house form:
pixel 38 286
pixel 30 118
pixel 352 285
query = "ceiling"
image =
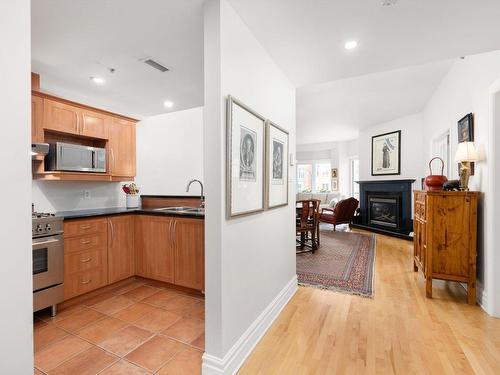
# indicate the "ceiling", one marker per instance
pixel 306 38
pixel 337 110
pixel 74 40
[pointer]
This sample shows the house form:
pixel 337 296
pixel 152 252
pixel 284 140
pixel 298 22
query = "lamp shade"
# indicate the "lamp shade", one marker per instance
pixel 466 152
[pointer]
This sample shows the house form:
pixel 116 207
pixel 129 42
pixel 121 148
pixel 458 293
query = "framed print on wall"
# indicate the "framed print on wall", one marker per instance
pixel 245 151
pixel 466 129
pixel 276 166
pixel 386 154
pixel 466 134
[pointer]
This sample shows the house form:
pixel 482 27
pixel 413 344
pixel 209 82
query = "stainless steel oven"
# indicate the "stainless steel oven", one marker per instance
pixel 48 261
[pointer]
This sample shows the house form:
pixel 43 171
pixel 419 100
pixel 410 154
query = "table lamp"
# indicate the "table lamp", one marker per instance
pixel 466 153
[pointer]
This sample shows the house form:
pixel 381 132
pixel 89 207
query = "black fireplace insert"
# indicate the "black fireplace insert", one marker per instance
pixel 384 211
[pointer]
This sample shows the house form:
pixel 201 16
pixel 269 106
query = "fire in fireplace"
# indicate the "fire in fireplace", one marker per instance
pixel 383 211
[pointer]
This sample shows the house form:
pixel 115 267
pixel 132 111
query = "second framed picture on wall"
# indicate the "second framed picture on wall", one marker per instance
pixel 245 159
pixel 276 165
pixel 386 154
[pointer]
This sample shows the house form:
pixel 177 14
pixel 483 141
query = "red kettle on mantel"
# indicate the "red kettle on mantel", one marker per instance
pixel 435 181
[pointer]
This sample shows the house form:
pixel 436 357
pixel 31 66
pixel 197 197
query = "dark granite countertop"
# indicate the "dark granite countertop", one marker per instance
pixel 78 214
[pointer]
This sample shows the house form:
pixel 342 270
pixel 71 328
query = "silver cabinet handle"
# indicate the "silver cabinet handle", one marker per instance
pixel 86 281
pixel 112 159
pixel 170 232
pixel 85 242
pixel 112 233
pixel 173 233
pixel 86 260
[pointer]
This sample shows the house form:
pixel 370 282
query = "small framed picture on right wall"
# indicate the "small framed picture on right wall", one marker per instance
pixel 466 128
pixel 466 134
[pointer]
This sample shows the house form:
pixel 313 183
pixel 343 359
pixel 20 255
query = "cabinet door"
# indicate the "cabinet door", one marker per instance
pixel 60 117
pixel 121 255
pixel 450 233
pixel 94 124
pixel 189 253
pixel 154 247
pixel 122 148
pixel 36 119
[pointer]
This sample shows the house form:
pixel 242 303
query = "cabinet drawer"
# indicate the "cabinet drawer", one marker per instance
pixel 80 227
pixel 83 261
pixel 81 243
pixel 83 282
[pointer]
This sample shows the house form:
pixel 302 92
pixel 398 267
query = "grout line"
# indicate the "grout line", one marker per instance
pixel 82 306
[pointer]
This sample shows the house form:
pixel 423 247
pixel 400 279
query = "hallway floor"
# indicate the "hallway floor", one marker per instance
pixel 399 331
pixel 133 329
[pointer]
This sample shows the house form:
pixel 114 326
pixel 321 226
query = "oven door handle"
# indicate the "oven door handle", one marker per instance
pixel 38 244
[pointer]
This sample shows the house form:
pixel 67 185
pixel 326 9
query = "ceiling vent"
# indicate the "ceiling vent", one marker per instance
pixel 388 3
pixel 156 65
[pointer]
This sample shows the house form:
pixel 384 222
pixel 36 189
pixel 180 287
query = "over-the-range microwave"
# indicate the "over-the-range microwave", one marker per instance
pixel 78 158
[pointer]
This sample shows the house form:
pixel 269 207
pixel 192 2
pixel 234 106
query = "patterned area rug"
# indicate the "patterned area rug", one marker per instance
pixel 344 263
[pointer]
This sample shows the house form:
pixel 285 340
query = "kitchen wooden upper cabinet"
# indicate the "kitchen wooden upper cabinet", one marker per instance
pixel 94 124
pixel 189 251
pixel 60 117
pixel 122 148
pixel 154 247
pixel 71 119
pixel 121 255
pixel 36 119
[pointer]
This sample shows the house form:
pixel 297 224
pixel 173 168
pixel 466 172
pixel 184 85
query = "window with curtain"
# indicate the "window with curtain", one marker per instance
pixel 314 177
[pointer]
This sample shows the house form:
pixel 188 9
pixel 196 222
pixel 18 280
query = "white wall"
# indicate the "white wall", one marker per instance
pixel 50 196
pixel 170 152
pixel 250 261
pixel 465 89
pixel 16 313
pixel 412 159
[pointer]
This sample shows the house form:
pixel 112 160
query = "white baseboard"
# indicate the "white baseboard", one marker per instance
pixel 481 297
pixel 234 358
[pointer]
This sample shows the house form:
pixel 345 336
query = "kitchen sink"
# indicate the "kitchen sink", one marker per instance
pixel 181 210
pixel 173 208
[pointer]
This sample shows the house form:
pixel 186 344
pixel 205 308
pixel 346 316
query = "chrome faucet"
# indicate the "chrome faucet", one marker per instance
pixel 202 197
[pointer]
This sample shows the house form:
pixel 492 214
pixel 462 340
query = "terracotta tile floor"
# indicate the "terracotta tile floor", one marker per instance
pixel 133 329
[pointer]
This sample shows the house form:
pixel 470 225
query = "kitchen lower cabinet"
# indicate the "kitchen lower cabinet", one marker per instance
pixel 85 256
pixel 121 254
pixel 189 251
pixel 154 247
pixel 104 250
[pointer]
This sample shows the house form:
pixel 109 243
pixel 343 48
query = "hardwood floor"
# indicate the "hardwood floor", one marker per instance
pixel 399 331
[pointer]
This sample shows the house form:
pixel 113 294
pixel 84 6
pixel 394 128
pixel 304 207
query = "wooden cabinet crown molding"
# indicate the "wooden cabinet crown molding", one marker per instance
pixel 80 105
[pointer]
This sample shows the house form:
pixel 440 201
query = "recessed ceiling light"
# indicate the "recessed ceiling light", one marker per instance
pixel 168 104
pixel 98 80
pixel 351 44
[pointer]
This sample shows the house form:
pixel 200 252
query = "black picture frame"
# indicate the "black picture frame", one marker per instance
pixel 376 138
pixel 465 128
pixel 465 133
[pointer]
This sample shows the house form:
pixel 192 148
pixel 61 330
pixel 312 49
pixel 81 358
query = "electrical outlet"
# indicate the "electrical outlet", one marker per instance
pixel 86 194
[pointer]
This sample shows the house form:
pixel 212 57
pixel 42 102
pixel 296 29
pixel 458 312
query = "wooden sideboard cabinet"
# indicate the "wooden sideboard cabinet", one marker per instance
pixel 445 238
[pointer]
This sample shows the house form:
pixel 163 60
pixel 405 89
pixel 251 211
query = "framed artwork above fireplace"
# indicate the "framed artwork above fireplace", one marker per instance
pixel 386 154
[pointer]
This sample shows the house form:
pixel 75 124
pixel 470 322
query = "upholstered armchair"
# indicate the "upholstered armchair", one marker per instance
pixel 342 213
